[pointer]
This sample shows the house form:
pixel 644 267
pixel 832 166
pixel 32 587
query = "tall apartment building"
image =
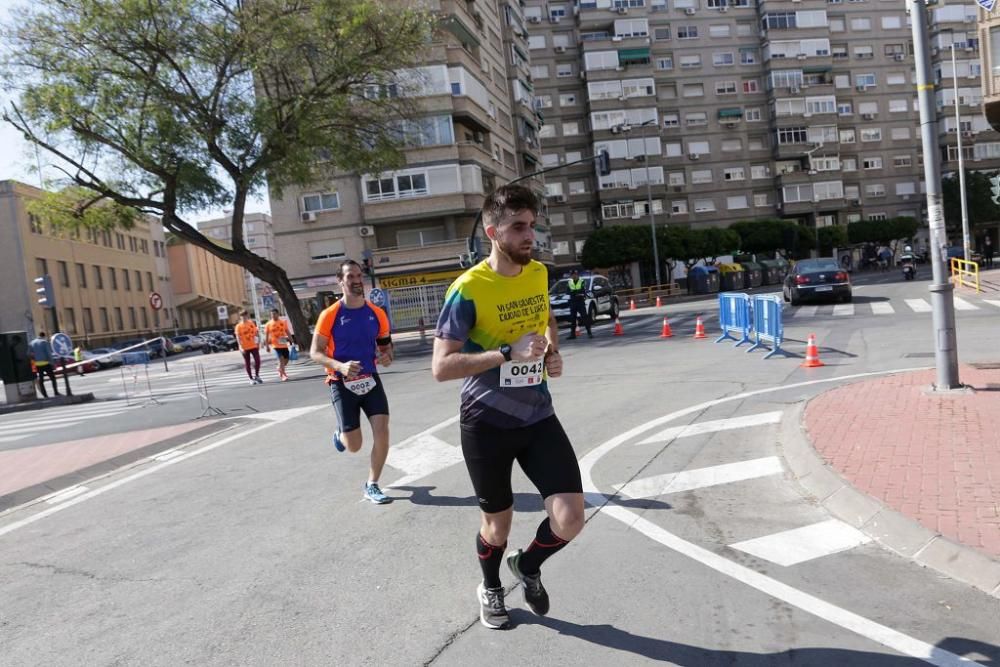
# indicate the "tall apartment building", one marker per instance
pixel 799 109
pixel 258 235
pixel 477 130
pixel 102 279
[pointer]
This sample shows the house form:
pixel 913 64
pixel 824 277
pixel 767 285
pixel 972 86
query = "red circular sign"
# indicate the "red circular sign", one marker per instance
pixel 155 300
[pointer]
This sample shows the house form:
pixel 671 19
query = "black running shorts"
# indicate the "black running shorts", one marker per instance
pixel 542 450
pixel 282 352
pixel 349 405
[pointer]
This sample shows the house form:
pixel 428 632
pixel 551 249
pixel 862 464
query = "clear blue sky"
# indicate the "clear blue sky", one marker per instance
pixel 18 161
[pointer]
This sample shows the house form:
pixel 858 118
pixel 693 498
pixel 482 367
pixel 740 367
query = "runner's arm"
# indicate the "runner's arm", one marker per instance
pixel 317 352
pixel 450 363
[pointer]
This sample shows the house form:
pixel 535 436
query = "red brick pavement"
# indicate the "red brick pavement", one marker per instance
pixel 933 458
pixel 25 467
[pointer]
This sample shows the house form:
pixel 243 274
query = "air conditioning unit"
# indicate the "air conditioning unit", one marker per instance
pixel 807 115
pixel 972 76
pixel 970 19
pixel 801 56
pixel 366 230
pixel 534 19
pixel 622 98
pixel 678 188
pixel 616 38
pixel 868 116
pixel 693 156
pixel 934 51
pixel 561 199
pixel 583 75
pixel 637 216
pixel 623 10
pixel 854 202
pixel 730 124
pixel 861 88
pixel 689 11
pixel 620 69
pixel 794 90
pixel 308 216
pixel 560 49
pixel 723 9
pixel 478 137
pixel 970 49
pixel 555 19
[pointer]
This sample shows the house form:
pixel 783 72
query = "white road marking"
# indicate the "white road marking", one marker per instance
pixel 798 545
pixel 806 311
pixel 406 455
pixel 882 308
pixel 811 604
pixel 713 426
pixel 992 302
pixel 918 305
pixel 65 495
pixel 962 304
pixel 843 310
pixel 699 478
pixel 46 417
pixel 166 456
pixel 30 429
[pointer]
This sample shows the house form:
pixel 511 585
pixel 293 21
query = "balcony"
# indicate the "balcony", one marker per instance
pixel 469 112
pixel 414 208
pixel 442 255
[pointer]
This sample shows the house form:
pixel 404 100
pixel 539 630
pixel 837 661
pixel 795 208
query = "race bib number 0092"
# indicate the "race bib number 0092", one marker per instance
pixel 522 373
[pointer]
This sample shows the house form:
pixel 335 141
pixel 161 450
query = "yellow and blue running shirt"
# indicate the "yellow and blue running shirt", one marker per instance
pixel 484 310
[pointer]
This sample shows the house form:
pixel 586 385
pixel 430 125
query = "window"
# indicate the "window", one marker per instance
pixel 564 70
pixel 704 205
pixel 892 22
pixel 898 106
pixel 758 143
pixel 732 145
pixel 577 187
pixel 749 56
pixel 536 42
pixel 679 206
pixel 696 118
pixel 906 189
pixel 126 280
pixel 687 32
pixel 847 136
pixel 672 149
pixel 861 23
pixel 661 33
pixel 671 119
pixel 871 163
pixel 570 129
pixel 752 115
pixel 145 317
pixel 864 52
pixel 902 161
pixel 327 201
pixel 326 251
pixel 895 79
pixel 826 163
pixel 875 190
pixel 666 62
pixel 114 277
pixel 567 100
pixel 105 324
pixel 631 28
pixel 675 178
pixel 792 135
pixel 119 322
pixel 760 171
pixel 63 273
pixel 725 88
pixel 149 281
pixel 871 134
pixel 736 202
pixel 69 320
pixel 399 186
pixel 724 59
pixel 539 71
pixel 751 86
pixel 849 164
pixel 900 134
pixel 761 200
pixel 133 323
pixel 420 237
pixel 98 277
pixel 701 176
pixel 690 61
pixel 698 147
pixel 734 174
pixel 694 90
pixel 81 275
pixel 746 29
pixel 866 80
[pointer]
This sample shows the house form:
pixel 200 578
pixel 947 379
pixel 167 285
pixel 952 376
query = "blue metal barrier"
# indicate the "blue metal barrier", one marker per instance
pixel 132 358
pixel 734 317
pixel 767 324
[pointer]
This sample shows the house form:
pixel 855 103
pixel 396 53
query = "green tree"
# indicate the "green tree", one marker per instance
pixel 978 197
pixel 615 247
pixel 174 106
pixel 763 237
pixel 834 236
pixel 884 232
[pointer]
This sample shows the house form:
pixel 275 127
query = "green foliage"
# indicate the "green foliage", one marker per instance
pixel 834 236
pixel 616 246
pixel 883 232
pixel 763 237
pixel 73 208
pixel 978 197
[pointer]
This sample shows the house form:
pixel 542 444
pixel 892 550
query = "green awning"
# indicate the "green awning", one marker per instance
pixel 529 157
pixel 734 112
pixel 520 52
pixel 817 69
pixel 526 85
pixel 632 55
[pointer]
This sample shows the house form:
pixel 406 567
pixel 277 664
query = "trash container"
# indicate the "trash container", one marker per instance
pixel 703 280
pixel 752 274
pixel 772 273
pixel 784 266
pixel 731 278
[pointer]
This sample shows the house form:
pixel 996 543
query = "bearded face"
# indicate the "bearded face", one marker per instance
pixel 515 237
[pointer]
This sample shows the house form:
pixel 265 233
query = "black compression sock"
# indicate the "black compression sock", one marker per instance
pixel 490 558
pixel 545 544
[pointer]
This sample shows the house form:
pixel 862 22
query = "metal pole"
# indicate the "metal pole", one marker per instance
pixel 649 206
pixel 942 297
pixel 961 161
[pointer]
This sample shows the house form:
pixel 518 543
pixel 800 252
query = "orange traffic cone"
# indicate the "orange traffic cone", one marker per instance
pixel 699 328
pixel 666 333
pixel 619 331
pixel 659 302
pixel 631 304
pixel 812 354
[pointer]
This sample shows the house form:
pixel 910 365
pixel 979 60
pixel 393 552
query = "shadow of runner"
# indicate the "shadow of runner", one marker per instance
pixel 686 655
pixel 523 502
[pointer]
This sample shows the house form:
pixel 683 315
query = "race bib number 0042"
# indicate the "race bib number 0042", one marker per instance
pixel 522 373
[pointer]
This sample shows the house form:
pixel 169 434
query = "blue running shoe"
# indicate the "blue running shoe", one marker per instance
pixel 337 442
pixel 374 494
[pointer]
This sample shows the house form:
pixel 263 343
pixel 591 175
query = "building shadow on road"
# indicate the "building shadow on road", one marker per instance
pixel 523 502
pixel 686 655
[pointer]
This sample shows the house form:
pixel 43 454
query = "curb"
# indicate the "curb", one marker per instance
pixel 40 404
pixel 891 529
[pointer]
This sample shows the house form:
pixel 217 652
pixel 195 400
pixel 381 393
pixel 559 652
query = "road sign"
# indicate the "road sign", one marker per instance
pixel 62 345
pixel 223 312
pixel 267 301
pixel 988 5
pixel 155 300
pixel 378 297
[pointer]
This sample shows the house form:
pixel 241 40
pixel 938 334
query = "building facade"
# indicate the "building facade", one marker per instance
pixel 202 284
pixel 478 129
pixel 738 110
pixel 102 279
pixel 258 235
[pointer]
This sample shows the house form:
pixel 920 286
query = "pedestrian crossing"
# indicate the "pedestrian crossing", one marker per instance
pixel 162 384
pixel 788 547
pixel 887 307
pixel 21 425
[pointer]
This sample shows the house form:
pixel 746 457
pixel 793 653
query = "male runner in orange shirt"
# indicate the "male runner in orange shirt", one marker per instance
pixel 246 338
pixel 277 336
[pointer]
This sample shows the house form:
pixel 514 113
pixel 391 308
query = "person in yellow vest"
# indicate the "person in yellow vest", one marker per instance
pixel 78 357
pixel 578 304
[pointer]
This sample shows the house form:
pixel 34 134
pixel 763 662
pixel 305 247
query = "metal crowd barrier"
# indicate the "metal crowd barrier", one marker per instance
pixel 735 317
pixel 965 273
pixel 767 326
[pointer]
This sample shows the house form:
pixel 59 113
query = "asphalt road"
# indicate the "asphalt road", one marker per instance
pixel 253 547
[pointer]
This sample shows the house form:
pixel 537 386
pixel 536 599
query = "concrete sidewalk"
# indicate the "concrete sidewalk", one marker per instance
pixel 919 472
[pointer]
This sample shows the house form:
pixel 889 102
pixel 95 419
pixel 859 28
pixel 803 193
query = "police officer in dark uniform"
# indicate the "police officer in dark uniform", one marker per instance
pixel 578 304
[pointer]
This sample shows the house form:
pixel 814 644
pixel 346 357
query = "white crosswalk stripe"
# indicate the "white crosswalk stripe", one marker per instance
pixel 992 302
pixel 918 305
pixel 698 428
pixel 843 310
pixel 799 545
pixel 962 304
pixel 700 478
pixel 882 308
pixel 806 311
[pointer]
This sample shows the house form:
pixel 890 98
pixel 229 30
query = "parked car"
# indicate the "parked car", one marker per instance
pixel 601 298
pixel 187 343
pixel 959 252
pixel 817 279
pixel 105 357
pixel 224 340
pixel 87 367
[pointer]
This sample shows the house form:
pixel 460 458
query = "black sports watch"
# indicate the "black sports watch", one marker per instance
pixel 505 351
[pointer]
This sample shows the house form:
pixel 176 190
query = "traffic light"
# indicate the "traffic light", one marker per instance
pixel 366 266
pixel 995 187
pixel 46 296
pixel 604 163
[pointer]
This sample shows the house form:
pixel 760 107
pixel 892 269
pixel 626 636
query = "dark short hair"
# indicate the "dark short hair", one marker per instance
pixel 244 313
pixel 275 311
pixel 41 333
pixel 508 199
pixel 346 262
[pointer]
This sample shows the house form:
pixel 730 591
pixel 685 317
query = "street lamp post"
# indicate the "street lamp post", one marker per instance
pixel 649 204
pixel 961 161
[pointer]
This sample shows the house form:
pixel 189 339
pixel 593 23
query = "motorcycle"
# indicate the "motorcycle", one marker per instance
pixel 908 264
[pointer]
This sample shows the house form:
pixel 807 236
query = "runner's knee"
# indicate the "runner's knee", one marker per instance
pixel 495 527
pixel 566 514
